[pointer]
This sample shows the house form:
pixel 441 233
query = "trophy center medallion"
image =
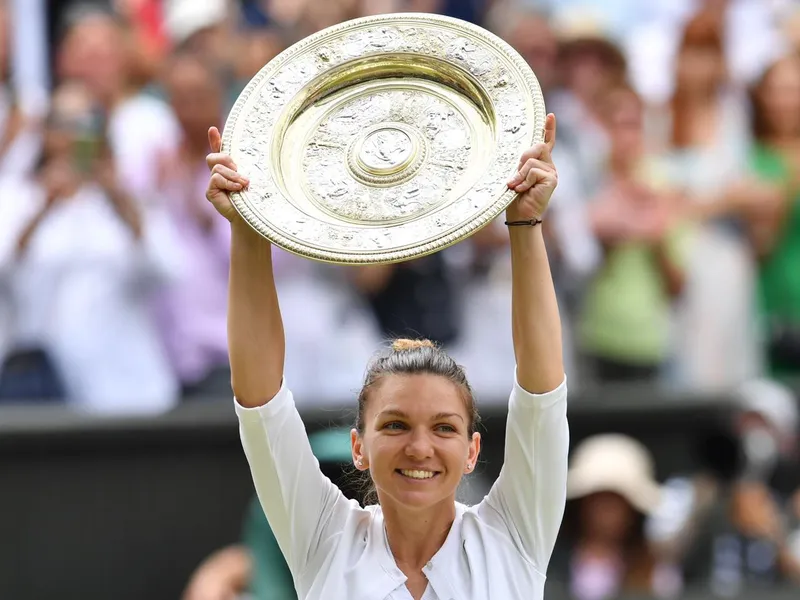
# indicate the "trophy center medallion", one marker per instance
pixel 386 154
pixel 386 151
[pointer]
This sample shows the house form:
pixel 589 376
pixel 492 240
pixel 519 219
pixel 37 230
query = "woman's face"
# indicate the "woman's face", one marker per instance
pixel 416 442
pixel 606 516
pixel 779 97
pixel 699 69
pixel 194 95
pixel 96 52
pixel 625 125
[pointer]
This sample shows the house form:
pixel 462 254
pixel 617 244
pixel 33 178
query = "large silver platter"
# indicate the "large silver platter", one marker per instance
pixel 384 138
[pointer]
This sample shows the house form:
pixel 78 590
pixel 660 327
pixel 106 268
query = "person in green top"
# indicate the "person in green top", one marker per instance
pixel 255 569
pixel 773 216
pixel 624 327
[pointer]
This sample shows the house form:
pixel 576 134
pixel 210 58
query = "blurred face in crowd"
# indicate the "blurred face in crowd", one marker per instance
pixel 96 51
pixel 195 95
pixel 416 441
pixel 591 67
pixel 606 516
pixel 624 120
pixel 700 69
pixel 778 97
pixel 533 38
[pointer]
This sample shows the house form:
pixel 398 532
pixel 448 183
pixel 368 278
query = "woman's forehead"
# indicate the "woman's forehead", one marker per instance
pixel 416 396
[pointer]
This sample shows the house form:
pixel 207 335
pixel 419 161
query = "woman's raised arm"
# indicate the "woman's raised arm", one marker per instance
pixel 305 510
pixel 530 493
pixel 256 342
pixel 536 324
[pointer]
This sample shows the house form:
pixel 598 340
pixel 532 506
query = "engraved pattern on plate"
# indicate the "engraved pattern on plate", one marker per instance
pixel 330 183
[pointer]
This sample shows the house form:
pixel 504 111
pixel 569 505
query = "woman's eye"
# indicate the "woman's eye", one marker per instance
pixel 394 425
pixel 446 428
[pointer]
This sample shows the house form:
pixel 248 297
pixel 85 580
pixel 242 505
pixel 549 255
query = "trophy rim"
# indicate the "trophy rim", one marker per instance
pixel 531 89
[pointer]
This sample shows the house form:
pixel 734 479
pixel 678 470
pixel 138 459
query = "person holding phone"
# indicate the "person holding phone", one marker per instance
pixel 82 264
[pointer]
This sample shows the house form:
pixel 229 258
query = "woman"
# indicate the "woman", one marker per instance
pixel 625 323
pixel 415 434
pixel 702 139
pixel 772 211
pixel 612 490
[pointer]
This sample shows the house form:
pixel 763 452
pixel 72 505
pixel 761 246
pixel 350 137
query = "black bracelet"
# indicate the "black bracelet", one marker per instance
pixel 532 223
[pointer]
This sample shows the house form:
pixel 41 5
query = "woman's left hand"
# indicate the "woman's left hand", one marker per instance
pixel 536 178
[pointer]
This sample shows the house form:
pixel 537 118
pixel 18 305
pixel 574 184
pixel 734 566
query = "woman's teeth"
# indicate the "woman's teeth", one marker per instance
pixel 414 474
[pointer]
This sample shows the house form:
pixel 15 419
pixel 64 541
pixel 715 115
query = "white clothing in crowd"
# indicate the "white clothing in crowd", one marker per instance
pixel 141 131
pixel 81 292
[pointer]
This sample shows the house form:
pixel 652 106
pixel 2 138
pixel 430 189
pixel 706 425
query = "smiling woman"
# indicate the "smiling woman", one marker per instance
pixel 415 434
pixel 416 419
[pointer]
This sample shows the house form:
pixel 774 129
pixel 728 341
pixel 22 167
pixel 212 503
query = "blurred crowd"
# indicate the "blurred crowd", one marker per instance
pixel 674 239
pixel 674 234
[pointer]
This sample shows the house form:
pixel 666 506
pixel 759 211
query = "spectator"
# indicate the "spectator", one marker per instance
pixel 625 324
pixel 702 139
pixel 737 532
pixel 605 554
pixel 590 64
pixel 86 258
pixel 192 307
pixel 772 211
pixel 98 50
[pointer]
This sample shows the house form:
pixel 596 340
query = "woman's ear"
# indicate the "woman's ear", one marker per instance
pixel 357 447
pixel 474 452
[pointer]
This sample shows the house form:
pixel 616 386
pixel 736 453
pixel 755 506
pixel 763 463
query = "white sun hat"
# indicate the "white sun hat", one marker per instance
pixel 184 18
pixel 774 401
pixel 614 463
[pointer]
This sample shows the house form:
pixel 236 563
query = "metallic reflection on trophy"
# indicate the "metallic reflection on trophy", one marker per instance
pixel 384 138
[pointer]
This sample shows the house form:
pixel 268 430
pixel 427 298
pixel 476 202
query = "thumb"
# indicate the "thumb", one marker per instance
pixel 214 139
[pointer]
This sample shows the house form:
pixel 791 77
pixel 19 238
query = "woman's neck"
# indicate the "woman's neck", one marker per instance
pixel 416 536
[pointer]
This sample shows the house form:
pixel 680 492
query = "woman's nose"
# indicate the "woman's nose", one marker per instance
pixel 419 445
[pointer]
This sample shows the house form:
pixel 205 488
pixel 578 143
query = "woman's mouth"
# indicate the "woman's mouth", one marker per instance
pixel 417 474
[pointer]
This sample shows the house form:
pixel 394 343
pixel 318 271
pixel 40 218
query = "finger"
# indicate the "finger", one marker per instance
pixel 531 163
pixel 540 151
pixel 218 182
pixel 218 158
pixel 230 174
pixel 550 131
pixel 214 139
pixel 534 176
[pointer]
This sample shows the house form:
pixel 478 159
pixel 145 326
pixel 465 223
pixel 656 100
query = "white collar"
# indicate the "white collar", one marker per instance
pixel 439 571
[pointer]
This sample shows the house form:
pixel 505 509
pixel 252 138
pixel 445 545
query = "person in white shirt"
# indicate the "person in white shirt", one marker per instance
pixel 415 434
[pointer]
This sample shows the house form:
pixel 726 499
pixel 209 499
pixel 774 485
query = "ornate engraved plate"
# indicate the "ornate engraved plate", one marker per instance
pixel 384 138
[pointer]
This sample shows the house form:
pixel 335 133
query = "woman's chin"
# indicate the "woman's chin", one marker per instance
pixel 418 493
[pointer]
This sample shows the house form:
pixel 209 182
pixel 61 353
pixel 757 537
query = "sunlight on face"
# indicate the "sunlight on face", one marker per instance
pixel 416 441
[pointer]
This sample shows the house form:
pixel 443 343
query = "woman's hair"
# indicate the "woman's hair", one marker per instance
pixel 416 357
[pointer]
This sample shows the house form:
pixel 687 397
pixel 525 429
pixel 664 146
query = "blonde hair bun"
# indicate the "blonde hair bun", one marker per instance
pixel 403 344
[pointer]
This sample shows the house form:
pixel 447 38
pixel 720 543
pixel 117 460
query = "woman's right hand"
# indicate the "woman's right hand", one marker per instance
pixel 224 177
